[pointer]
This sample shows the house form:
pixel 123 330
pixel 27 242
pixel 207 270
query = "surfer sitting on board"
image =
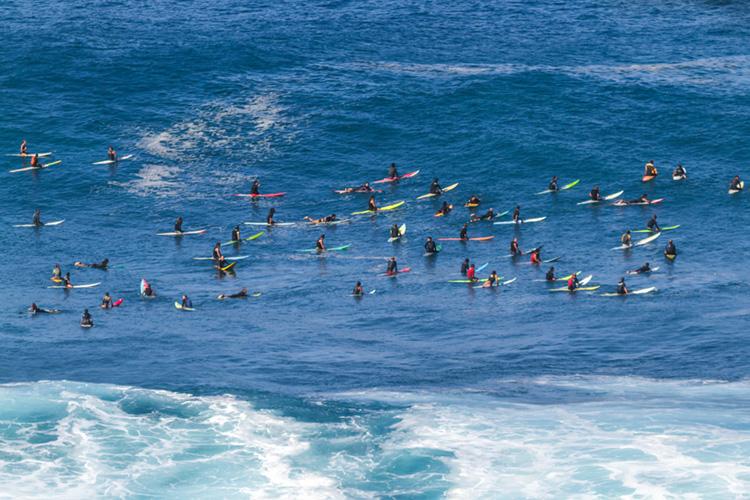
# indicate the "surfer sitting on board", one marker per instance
pixel 435 187
pixel 553 184
pixel 473 201
pixel 550 274
pixel 652 225
pixel 471 273
pixel 671 249
pixel 35 161
pixel 736 184
pixel 269 217
pixel 100 265
pixel 239 295
pixel 236 234
pixel 650 168
pixel 395 233
pixel 254 188
pixel 462 235
pixel 319 245
pixel 626 239
pixel 392 172
pixel 216 254
pixel 371 204
pixel 56 273
pixel 106 301
pixel 444 210
pixel 392 266
pixel 535 257
pixel 491 280
pixel 514 250
pixel 36 220
pixel 679 172
pixel 358 289
pixel 178 226
pixel 111 154
pixel 66 281
pixel 643 269
pixel 430 246
pixel 186 302
pixel 517 214
pixel 148 291
pixel 573 282
pixel 24 151
pixel 594 193
pixel 621 288
pixel 465 266
pixel 488 215
pixel 86 319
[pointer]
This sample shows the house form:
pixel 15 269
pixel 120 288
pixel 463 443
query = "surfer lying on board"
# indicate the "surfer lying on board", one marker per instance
pixel 254 188
pixel 462 235
pixel 358 289
pixel 106 301
pixel 652 225
pixel 269 217
pixel 643 269
pixel 364 188
pixel 392 266
pixel 395 233
pixel 573 282
pixel 642 199
pixel 86 319
pixel 36 220
pixel 671 249
pixel 435 187
pixel 100 265
pixel 36 310
pixel 330 218
pixel 650 168
pixel 473 201
pixel 621 288
pixel 594 193
pixel 550 274
pixel 430 246
pixel 112 155
pixel 239 295
pixel 679 172
pixel 736 184
pixel 392 172
pixel 488 215
pixel 371 204
pixel 553 185
pixel 319 245
pixel 444 210
pixel 626 239
pixel 492 280
pixel 514 250
pixel 178 226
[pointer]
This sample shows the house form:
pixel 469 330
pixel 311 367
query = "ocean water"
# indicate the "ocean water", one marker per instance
pixel 425 389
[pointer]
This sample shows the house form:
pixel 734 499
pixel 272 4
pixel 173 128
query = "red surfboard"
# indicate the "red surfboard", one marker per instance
pixel 391 179
pixel 262 195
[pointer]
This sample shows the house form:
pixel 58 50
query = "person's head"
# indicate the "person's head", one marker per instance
pixel 466 260
pixel 367 184
pixel 273 210
pixel 552 268
pixel 515 239
pixel 359 284
pixel 491 209
pixel 322 236
pixel 627 232
pixel 86 311
pixel 105 261
pixel 393 258
pixel 24 141
pixel 37 210
pixel 396 226
pixel 393 164
pixel 218 244
pixel 429 238
pixel 184 296
pixel 670 241
pixel 554 177
pixel 518 206
pixel 237 228
pixel 646 263
pixel 622 280
pixel 111 147
pixel 644 195
pixel 435 180
pixel 494 273
pixel 333 216
pixel 679 166
pixel 57 266
pixel 736 177
pixel 596 186
pixel 372 196
pixel 466 224
pixel 472 266
pixel 179 219
pixel 106 294
pixel 651 161
pixel 33 304
pixel 654 217
pixel 256 181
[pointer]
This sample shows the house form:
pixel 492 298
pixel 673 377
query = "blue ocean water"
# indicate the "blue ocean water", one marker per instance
pixel 425 389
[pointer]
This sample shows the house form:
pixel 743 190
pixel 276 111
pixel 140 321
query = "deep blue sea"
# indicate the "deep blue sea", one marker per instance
pixel 425 389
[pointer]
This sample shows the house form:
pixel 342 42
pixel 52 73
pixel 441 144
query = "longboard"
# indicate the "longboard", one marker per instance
pixel 225 258
pixel 429 195
pixel 493 217
pixel 76 286
pixel 56 223
pixel 638 243
pixel 182 233
pixel 606 198
pixel 361 294
pixel 567 186
pixel 483 238
pixel 652 231
pixel 251 238
pixel 179 306
pixel 622 204
pixel 269 225
pixel 36 168
pixel 331 223
pixel 579 289
pixel 261 195
pixel 40 155
pixel 523 221
pixel 357 191
pixel 327 249
pixel 397 272
pixel 392 179
pixel 634 292
pixel 401 232
pixel 109 162
pixel 382 209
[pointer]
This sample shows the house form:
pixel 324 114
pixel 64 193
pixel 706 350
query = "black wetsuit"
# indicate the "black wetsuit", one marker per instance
pixel 86 319
pixel 671 250
pixel 236 235
pixel 216 254
pixel 492 279
pixel 514 250
pixel 395 233
pixel 621 288
pixel 392 172
pixel 553 186
pixel 679 171
pixel 65 282
pixel 735 184
pixel 464 267
pixel 357 291
pixel 238 295
pixel 254 189
pixel 550 275
pixel 363 189
pixel 107 302
pixel 187 303
pixel 111 155
pixel 430 247
pixel 463 235
pixel 644 269
pixel 330 218
pixel 435 188
pixel 269 218
pixel 148 291
pixel 36 220
pixel 319 245
pixel 594 194
pixel 490 214
pixel 178 227
pixel 652 225
pixel 392 267
pixel 517 214
pixel 371 206
pixel 100 265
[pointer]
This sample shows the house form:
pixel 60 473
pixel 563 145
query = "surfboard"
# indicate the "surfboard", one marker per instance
pixel 606 198
pixel 40 155
pixel 332 223
pixel 429 195
pixel 178 305
pixel 440 214
pixel 344 247
pixel 269 225
pixel 357 191
pixel 36 168
pixel 647 178
pixel 90 285
pixel 56 223
pixel 483 238
pixel 90 325
pixel 360 295
pixel 229 267
pixel 401 231
pixel 109 162
pixel 670 256
pixel 735 191
pixel 262 195
pixel 399 271
pixel 676 178
pixel 429 254
pixel 181 234
pixel 634 292
pixel 620 203
pixel 115 304
pixel 226 258
pixel 144 284
pixel 523 221
pixel 382 209
pixel 251 238
pixel 245 297
pixel 481 267
pixel 638 243
pixel 392 179
pixel 567 186
pixel 579 289
pixel 652 231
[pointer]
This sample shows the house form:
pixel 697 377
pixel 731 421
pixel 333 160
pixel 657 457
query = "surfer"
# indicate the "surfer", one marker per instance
pixel 651 169
pixel 221 264
pixel 371 204
pixel 148 291
pixel 643 269
pixel 621 288
pixel 435 187
pixel 186 302
pixel 57 273
pixel 35 161
pixel 487 215
pixel 319 245
pixel 430 246
pixel 395 233
pixel 679 172
pixel 471 273
pixel 550 274
pixel 392 266
pixel 465 266
pixel 178 226
pixel 36 220
pixel 254 188
pixel 626 239
pixel 642 200
pixel 594 194
pixel 66 281
pixel 514 250
pixel 473 201
pixel 106 301
pixel 392 172
pixel 517 214
pixel 492 280
pixel 239 295
pixel 736 184
pixel 358 289
pixel 86 319
pixel 444 210
pixel 652 225
pixel 36 310
pixel 112 155
pixel 462 235
pixel 24 151
pixel 324 220
pixel 364 188
pixel 573 282
pixel 553 184
pixel 535 257
pixel 269 217
pixel 236 234
pixel 216 254
pixel 671 250
pixel 100 265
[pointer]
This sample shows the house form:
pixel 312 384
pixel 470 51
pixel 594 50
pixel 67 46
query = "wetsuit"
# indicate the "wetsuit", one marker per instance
pixel 148 291
pixel 435 188
pixel 550 275
pixel 652 225
pixel 514 250
pixel 269 218
pixel 238 295
pixel 626 240
pixel 395 233
pixel 464 267
pixel 65 282
pixel 216 253
pixel 621 288
pixel 735 185
pixel 430 247
pixel 56 273
pixel 330 218
pixel 86 319
pixel 650 169
pixel 187 303
pixel 319 245
pixel 392 173
pixel 573 282
pixel 36 220
pixel 371 206
pixel 35 309
pixel 254 189
pixel 392 267
pixel 178 227
pixel 679 171
pixel 492 279
pixel 595 194
pixel 444 209
pixel 671 250
pixel 107 302
pixel 474 201
pixel 462 234
pixel 535 259
pixel 111 154
pixel 358 291
pixel 100 265
pixel 643 269
pixel 236 235
pixel 471 274
pixel 517 214
pixel 364 188
pixel 490 214
pixel 553 186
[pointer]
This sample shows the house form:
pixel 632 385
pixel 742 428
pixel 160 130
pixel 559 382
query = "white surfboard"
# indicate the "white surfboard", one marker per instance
pixel 524 221
pixel 77 286
pixel 271 225
pixel 606 198
pixel 56 223
pixel 401 230
pixel 180 234
pixel 41 155
pixel 108 162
